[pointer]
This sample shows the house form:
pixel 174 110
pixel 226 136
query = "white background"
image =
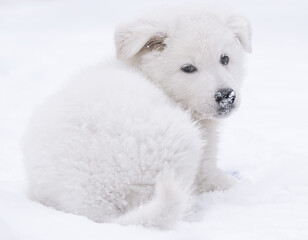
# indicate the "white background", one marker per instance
pixel 265 143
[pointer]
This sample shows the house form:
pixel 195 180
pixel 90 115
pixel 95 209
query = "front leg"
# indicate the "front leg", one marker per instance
pixel 209 177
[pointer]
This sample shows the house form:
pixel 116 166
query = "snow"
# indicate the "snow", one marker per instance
pixel 42 43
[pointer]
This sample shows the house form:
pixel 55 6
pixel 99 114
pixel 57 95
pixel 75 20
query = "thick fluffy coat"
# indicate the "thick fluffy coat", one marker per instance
pixel 132 142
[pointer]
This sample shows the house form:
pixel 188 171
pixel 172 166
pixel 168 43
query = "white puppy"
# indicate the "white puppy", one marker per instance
pixel 132 142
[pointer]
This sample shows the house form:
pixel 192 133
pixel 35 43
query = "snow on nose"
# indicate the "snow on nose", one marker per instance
pixel 225 97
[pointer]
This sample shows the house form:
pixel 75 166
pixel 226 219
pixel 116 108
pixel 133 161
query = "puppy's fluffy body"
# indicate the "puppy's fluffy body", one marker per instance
pixel 132 142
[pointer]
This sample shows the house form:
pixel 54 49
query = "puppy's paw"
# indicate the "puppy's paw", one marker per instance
pixel 222 182
pixel 219 181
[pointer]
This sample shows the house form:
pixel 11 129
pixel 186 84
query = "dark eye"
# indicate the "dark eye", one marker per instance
pixel 224 59
pixel 188 68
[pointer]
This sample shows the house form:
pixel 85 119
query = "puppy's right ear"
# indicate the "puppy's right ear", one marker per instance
pixel 241 28
pixel 139 36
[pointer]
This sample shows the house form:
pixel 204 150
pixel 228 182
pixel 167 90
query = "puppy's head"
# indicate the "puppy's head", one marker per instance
pixel 196 57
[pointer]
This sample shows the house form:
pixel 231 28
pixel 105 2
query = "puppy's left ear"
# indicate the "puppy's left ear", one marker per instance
pixel 140 36
pixel 240 26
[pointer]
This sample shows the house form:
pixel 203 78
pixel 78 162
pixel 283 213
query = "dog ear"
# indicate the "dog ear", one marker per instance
pixel 240 26
pixel 138 37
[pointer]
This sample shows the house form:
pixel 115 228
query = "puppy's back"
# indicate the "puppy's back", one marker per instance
pixel 90 147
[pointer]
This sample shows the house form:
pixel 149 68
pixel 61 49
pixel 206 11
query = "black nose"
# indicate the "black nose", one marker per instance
pixel 225 97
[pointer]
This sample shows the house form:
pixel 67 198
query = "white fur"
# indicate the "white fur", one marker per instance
pixel 132 142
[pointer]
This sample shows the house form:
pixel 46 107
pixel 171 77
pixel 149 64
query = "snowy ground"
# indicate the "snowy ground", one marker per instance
pixel 42 43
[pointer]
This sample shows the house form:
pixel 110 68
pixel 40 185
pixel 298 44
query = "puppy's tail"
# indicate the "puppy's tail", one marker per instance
pixel 169 205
